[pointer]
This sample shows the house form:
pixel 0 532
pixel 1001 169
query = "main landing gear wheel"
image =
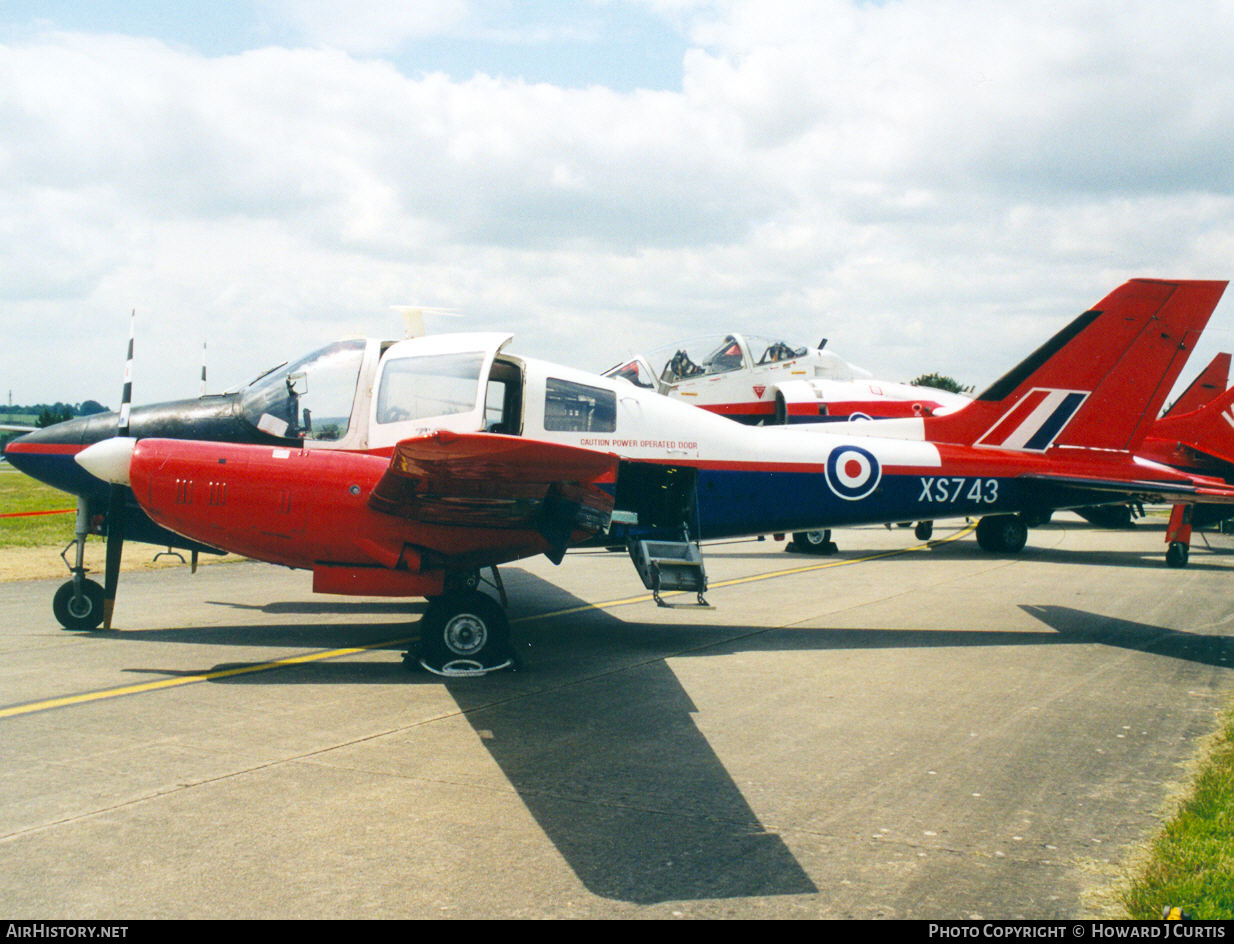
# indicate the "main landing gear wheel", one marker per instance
pixel 924 530
pixel 1177 553
pixel 812 542
pixel 1002 534
pixel 85 612
pixel 464 633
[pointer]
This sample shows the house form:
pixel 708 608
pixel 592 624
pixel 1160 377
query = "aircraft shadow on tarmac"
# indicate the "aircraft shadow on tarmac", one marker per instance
pixel 597 736
pixel 318 607
pixel 607 759
pixel 621 780
pixel 1079 627
pixel 1202 558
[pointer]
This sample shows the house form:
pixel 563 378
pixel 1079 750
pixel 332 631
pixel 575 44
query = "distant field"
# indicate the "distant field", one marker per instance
pixel 21 493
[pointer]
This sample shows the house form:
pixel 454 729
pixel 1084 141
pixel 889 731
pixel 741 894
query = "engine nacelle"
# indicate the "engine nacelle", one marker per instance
pixel 799 401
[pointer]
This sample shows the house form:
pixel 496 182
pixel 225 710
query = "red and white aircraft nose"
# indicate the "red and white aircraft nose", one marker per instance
pixel 108 460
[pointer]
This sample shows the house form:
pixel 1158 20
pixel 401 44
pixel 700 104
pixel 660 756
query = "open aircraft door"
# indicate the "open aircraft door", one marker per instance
pixel 659 506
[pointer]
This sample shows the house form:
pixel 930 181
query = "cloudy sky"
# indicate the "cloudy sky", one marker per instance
pixel 932 185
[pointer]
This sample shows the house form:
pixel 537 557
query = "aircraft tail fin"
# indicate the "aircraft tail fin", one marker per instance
pixel 1210 384
pixel 1099 383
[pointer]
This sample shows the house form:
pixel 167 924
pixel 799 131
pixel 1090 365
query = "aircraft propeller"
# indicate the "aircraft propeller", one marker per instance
pixel 116 497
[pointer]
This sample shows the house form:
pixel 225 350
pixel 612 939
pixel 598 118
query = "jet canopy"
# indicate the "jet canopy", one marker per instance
pixel 708 356
pixel 719 354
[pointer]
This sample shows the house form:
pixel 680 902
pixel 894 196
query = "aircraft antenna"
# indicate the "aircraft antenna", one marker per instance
pixel 413 318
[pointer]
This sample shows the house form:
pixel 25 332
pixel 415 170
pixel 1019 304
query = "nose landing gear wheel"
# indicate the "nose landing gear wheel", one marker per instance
pixel 1176 554
pixel 83 613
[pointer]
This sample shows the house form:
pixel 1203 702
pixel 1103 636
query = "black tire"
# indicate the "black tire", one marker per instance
pixel 465 631
pixel 83 614
pixel 813 542
pixel 1177 553
pixel 1002 534
pixel 924 530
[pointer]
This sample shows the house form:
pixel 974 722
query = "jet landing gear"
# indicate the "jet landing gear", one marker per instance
pixel 1177 553
pixel 812 542
pixel 1178 536
pixel 1002 534
pixel 78 604
pixel 464 632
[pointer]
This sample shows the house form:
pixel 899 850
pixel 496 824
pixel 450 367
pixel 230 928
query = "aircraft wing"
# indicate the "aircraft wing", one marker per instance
pixel 1164 491
pixel 486 480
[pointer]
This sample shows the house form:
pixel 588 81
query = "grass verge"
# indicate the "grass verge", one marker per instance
pixel 1191 863
pixel 20 493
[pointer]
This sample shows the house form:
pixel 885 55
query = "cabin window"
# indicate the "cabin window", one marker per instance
pixel 414 388
pixel 577 408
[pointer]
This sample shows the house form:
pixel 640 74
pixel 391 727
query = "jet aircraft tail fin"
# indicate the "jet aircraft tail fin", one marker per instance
pixel 1210 384
pixel 1099 383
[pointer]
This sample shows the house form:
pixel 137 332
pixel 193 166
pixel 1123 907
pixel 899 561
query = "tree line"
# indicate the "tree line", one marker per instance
pixel 48 414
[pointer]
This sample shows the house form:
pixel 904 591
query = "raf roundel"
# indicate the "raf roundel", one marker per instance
pixel 852 472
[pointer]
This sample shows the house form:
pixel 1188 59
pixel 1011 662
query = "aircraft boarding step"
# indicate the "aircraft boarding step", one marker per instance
pixel 671 565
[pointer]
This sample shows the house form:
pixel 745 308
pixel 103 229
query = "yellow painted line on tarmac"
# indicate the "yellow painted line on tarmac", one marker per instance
pixel 144 687
pixel 161 684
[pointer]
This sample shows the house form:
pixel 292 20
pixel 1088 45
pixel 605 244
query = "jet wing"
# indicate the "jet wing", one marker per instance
pixel 1165 491
pixel 486 480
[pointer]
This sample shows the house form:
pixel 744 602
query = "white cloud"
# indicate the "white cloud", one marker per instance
pixel 933 186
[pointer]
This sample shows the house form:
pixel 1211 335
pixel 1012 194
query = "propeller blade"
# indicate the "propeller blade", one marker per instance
pixel 115 498
pixel 126 398
pixel 115 549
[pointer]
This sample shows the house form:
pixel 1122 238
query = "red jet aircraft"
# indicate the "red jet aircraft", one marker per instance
pixel 466 457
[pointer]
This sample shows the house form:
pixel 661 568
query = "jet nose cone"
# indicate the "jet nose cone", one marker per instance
pixel 108 460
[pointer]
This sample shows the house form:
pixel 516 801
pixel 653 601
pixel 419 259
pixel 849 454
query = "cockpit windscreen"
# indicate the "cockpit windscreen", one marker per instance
pixel 310 399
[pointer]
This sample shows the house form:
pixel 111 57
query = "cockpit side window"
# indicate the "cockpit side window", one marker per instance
pixel 414 388
pixel 578 408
